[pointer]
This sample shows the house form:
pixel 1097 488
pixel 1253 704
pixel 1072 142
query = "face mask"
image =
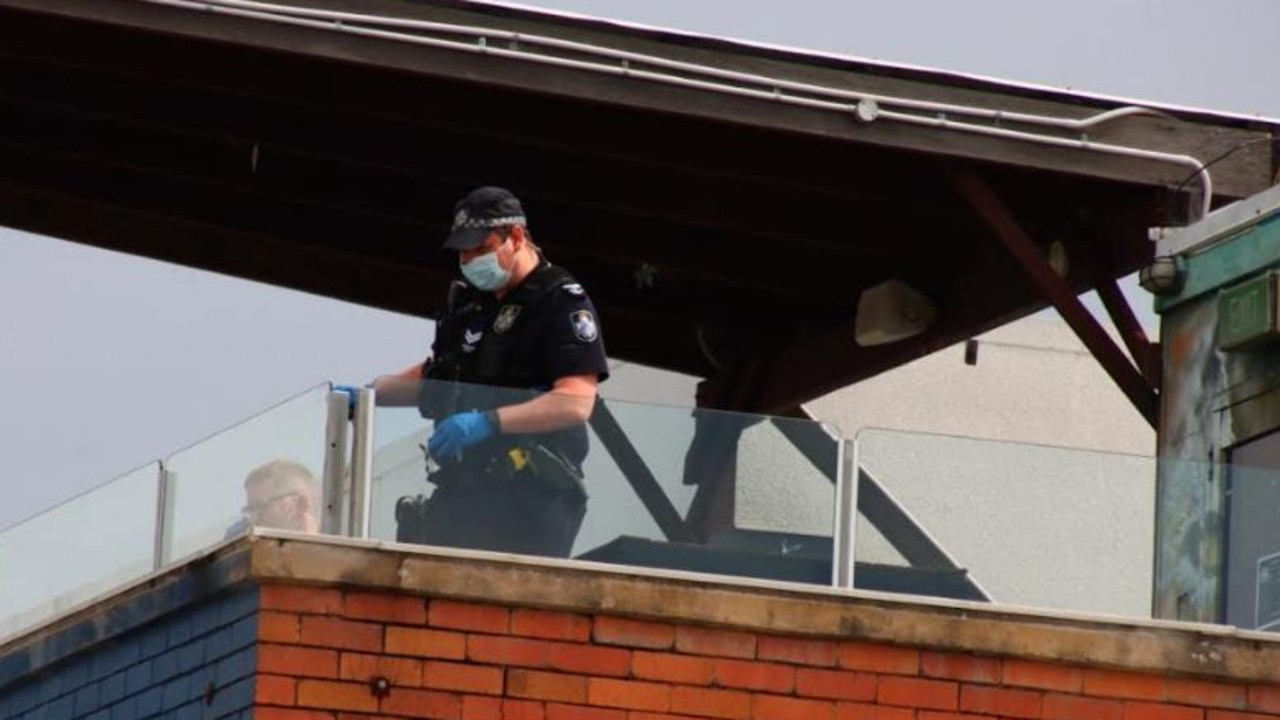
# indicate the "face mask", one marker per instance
pixel 485 273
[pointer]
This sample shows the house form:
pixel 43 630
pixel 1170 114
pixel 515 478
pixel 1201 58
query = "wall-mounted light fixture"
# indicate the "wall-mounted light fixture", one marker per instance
pixel 891 311
pixel 1164 276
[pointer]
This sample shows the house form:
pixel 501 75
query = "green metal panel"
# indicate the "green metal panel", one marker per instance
pixel 1254 249
pixel 1246 313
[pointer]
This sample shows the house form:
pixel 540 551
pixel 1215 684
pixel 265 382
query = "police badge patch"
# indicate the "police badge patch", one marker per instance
pixel 506 318
pixel 584 325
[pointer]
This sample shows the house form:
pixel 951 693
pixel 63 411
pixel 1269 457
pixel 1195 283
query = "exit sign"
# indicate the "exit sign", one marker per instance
pixel 1247 313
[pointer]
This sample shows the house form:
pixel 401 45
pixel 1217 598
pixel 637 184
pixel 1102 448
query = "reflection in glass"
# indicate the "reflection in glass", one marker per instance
pixel 766 508
pixel 77 550
pixel 262 471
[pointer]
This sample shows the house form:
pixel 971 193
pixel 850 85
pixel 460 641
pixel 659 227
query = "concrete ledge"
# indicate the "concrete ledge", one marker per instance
pixel 1138 645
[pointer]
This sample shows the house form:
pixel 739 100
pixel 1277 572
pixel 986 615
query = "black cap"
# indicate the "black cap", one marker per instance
pixel 475 216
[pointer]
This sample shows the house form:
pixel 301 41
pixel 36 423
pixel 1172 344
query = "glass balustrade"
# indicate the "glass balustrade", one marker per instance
pixel 665 486
pixel 679 488
pixel 267 470
pixel 77 550
pixel 1017 524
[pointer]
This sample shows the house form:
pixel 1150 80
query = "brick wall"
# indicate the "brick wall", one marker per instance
pixel 195 662
pixel 321 648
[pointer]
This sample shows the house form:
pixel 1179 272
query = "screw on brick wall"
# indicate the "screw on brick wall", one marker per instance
pixel 380 686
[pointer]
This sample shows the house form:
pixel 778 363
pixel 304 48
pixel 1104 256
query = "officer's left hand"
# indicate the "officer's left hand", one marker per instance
pixel 458 432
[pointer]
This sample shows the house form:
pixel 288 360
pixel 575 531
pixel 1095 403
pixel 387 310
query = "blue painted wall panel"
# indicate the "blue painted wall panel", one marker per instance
pixel 162 668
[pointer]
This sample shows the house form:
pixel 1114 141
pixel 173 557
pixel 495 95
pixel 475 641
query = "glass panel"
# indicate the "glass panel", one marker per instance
pixel 1030 524
pixel 82 548
pixel 211 497
pixel 772 517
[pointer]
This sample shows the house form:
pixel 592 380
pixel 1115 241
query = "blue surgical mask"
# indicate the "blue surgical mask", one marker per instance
pixel 485 273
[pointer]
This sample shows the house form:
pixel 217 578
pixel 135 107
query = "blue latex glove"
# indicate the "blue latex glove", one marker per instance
pixel 458 432
pixel 352 393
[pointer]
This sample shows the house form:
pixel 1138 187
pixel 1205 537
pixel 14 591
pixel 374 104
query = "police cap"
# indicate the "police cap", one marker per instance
pixel 475 216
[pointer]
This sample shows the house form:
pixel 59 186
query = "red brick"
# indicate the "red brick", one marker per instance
pixel 1160 711
pixel 863 711
pixel 342 634
pixel 640 715
pixel 386 608
pixel 572 657
pixel 402 672
pixel 469 616
pixel 632 633
pixel 293 598
pixel 878 658
pixel 710 641
pixel 671 668
pixel 555 687
pixel 1022 673
pixel 942 715
pixel 462 677
pixel 711 703
pixel 750 675
pixel 297 661
pixel 835 684
pixel 1207 694
pixel 1000 701
pixel 954 666
pixel 1130 686
pixel 550 625
pixel 796 650
pixel 504 650
pixel 1265 698
pixel 1074 707
pixel 275 690
pixel 426 643
pixel 556 711
pixel 422 704
pixel 278 627
pixel 476 707
pixel 629 694
pixel 277 713
pixel 918 693
pixel 522 710
pixel 1233 715
pixel 773 707
pixel 336 695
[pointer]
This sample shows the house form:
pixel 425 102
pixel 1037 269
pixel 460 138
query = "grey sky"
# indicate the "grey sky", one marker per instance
pixel 112 361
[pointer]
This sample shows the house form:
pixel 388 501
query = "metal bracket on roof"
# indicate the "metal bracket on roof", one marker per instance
pixel 1134 382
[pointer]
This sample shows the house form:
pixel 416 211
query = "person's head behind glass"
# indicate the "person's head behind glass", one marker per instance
pixel 282 494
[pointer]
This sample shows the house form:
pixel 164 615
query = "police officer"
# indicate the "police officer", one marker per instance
pixel 519 354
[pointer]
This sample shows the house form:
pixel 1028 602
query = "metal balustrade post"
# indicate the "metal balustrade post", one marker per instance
pixel 163 540
pixel 846 515
pixel 362 464
pixel 337 479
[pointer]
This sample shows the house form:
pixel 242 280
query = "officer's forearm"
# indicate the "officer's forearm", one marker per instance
pixel 545 413
pixel 396 391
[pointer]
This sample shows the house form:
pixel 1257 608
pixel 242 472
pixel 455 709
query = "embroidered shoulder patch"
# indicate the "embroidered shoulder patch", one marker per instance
pixel 584 325
pixel 573 289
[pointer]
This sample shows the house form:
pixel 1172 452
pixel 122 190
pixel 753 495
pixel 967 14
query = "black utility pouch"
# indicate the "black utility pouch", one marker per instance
pixel 554 471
